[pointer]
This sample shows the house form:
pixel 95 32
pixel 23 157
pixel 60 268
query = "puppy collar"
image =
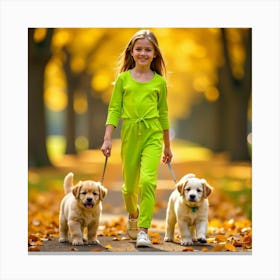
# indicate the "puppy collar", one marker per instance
pixel 194 209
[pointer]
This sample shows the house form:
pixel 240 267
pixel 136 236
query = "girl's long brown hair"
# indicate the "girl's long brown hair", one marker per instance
pixel 127 61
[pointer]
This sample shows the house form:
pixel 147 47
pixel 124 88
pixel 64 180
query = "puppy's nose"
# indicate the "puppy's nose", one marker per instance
pixel 89 199
pixel 192 197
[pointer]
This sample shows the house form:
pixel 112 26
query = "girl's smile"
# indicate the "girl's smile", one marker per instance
pixel 143 52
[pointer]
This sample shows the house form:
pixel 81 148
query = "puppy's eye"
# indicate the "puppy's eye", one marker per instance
pixel 83 193
pixel 198 190
pixel 95 193
pixel 188 189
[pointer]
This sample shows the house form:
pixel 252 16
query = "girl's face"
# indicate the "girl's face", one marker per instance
pixel 143 52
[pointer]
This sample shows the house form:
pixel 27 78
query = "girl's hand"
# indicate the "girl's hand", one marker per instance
pixel 106 148
pixel 167 155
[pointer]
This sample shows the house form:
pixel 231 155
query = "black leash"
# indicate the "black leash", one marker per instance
pixel 172 172
pixel 104 170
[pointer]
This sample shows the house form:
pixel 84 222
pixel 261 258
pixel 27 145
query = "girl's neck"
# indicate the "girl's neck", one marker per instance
pixel 141 70
pixel 142 74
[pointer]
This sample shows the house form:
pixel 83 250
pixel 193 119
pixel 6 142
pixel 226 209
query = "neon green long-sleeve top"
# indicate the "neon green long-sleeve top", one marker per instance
pixel 138 100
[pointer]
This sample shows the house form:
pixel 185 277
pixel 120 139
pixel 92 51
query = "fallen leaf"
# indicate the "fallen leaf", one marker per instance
pixel 230 247
pixel 247 240
pixel 97 249
pixel 219 248
pixel 156 241
pixel 188 249
pixel 220 238
pixel 237 243
pixel 116 238
pixel 125 238
pixel 33 248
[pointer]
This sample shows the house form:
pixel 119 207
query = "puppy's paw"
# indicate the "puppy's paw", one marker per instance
pixel 201 237
pixel 202 240
pixel 94 242
pixel 186 242
pixel 168 238
pixel 63 240
pixel 77 242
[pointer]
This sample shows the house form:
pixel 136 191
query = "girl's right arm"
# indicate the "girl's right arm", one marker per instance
pixel 107 144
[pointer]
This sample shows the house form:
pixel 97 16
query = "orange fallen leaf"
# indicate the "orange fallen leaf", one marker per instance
pixel 97 249
pixel 220 238
pixel 156 241
pixel 33 248
pixel 188 249
pixel 219 248
pixel 33 237
pixel 230 247
pixel 237 243
pixel 247 240
pixel 204 249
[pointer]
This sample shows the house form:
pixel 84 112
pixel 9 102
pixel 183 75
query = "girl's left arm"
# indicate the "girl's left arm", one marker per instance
pixel 167 153
pixel 163 117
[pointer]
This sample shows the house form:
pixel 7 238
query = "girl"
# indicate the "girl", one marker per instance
pixel 139 98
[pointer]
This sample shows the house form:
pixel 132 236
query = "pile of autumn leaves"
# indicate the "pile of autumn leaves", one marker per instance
pixel 229 230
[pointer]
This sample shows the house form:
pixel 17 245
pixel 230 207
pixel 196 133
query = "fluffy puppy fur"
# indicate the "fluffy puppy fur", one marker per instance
pixel 80 208
pixel 188 206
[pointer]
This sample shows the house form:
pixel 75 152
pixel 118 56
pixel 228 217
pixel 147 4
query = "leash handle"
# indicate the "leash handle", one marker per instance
pixel 104 169
pixel 172 172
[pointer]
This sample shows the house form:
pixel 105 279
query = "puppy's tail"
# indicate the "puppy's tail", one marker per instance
pixel 68 182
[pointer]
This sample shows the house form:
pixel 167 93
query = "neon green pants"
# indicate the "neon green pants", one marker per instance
pixel 141 153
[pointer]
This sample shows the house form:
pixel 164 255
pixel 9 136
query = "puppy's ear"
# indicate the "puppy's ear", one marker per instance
pixel 102 191
pixel 180 187
pixel 76 189
pixel 207 189
pixel 184 180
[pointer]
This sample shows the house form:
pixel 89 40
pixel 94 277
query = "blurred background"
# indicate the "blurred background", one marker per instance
pixel 71 73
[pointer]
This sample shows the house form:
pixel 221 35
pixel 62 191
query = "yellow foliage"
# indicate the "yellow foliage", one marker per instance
pixel 101 81
pixel 55 99
pixel 212 94
pixel 80 103
pixel 39 34
pixel 192 62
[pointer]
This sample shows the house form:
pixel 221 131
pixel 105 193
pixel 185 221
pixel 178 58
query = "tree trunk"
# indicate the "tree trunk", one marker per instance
pixel 38 56
pixel 234 102
pixel 70 113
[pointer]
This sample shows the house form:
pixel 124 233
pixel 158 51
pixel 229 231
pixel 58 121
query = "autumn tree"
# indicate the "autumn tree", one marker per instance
pixel 39 53
pixel 235 86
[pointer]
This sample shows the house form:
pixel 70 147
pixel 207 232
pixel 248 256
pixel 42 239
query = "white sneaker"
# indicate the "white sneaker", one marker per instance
pixel 143 240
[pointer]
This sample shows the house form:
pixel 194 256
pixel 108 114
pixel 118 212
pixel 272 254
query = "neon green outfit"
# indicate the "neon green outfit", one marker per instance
pixel 143 108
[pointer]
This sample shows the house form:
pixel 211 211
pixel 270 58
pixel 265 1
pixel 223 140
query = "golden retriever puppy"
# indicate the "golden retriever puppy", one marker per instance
pixel 80 208
pixel 188 206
